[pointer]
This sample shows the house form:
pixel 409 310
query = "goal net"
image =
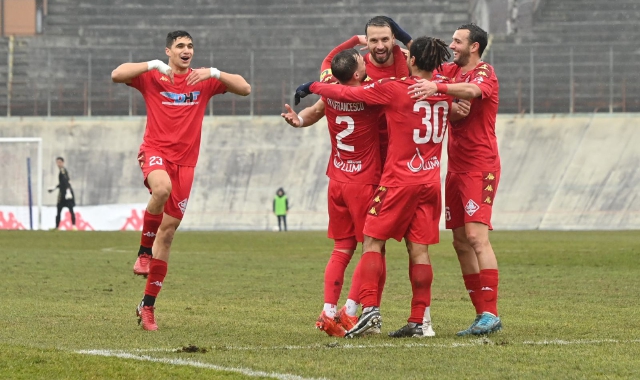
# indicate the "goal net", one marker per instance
pixel 21 183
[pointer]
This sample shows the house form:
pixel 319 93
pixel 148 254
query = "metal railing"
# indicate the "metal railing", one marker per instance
pixel 533 79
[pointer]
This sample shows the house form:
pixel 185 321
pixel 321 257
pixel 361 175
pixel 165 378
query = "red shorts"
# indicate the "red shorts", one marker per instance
pixel 412 212
pixel 181 180
pixel 469 197
pixel 348 205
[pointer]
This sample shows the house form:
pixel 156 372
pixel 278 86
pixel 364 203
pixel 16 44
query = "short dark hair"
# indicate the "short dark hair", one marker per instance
pixel 430 53
pixel 476 34
pixel 60 158
pixel 344 64
pixel 381 21
pixel 175 35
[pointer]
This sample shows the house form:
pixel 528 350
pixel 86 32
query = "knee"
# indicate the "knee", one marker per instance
pixel 162 193
pixel 476 241
pixel 460 247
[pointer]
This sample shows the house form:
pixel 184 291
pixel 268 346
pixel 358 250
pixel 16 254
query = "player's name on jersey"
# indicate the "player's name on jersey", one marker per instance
pixel 340 106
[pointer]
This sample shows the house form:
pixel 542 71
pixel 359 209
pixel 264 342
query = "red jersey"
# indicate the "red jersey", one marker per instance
pixel 416 129
pixel 473 146
pixel 355 145
pixel 175 113
pixel 399 69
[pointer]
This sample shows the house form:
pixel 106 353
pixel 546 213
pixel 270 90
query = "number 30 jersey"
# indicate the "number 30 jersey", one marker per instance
pixel 355 142
pixel 416 129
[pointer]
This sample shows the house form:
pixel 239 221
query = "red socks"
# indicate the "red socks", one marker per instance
pixel 157 272
pixel 150 224
pixel 354 291
pixel 334 276
pixel 472 283
pixel 421 277
pixel 371 265
pixel 489 282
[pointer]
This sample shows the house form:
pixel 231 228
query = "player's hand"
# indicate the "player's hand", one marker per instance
pixel 162 68
pixel 464 107
pixel 51 189
pixel 422 90
pixel 291 117
pixel 302 91
pixel 362 40
pixel 198 75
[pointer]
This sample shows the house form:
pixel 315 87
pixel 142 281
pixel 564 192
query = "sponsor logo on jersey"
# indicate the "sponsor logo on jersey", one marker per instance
pixel 348 107
pixel 369 86
pixel 164 79
pixel 183 205
pixel 482 73
pixel 189 99
pixel 351 166
pixel 417 163
pixel 471 207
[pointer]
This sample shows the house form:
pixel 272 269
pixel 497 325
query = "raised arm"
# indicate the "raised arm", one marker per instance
pixel 127 71
pixel 325 68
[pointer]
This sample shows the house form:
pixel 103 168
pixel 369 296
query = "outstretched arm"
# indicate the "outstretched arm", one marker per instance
pixel 306 117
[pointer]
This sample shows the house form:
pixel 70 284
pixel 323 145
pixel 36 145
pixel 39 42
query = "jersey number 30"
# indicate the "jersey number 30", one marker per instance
pixel 434 131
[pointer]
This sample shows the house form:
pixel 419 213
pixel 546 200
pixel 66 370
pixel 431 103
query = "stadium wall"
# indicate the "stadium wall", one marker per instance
pixel 559 172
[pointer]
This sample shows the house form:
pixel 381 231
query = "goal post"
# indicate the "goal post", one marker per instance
pixel 16 154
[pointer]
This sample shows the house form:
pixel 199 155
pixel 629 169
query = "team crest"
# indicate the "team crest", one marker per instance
pixel 471 207
pixel 183 205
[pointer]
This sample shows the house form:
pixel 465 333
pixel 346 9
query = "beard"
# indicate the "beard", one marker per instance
pixel 384 59
pixel 463 59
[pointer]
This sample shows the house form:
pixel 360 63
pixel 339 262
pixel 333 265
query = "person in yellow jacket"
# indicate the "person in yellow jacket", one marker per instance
pixel 280 208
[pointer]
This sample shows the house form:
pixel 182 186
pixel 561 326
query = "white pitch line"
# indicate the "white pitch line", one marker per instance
pixel 192 363
pixel 349 346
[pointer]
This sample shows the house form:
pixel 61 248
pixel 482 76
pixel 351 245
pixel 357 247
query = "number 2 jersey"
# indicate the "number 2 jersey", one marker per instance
pixel 416 129
pixel 174 114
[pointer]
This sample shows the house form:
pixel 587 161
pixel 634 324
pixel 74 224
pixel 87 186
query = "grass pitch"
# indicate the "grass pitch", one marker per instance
pixel 246 302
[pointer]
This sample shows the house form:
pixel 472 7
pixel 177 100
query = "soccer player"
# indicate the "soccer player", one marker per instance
pixel 385 59
pixel 66 197
pixel 407 203
pixel 176 97
pixel 473 172
pixel 354 172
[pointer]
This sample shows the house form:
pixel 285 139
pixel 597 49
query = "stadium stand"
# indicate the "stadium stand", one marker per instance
pixel 600 39
pixel 578 53
pixel 285 41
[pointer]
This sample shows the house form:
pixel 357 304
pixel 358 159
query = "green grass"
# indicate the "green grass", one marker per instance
pixel 568 301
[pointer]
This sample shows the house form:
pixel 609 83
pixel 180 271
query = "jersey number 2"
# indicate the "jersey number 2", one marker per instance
pixel 345 133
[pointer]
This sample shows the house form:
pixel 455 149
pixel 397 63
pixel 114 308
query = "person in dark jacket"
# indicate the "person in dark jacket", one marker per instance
pixel 66 197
